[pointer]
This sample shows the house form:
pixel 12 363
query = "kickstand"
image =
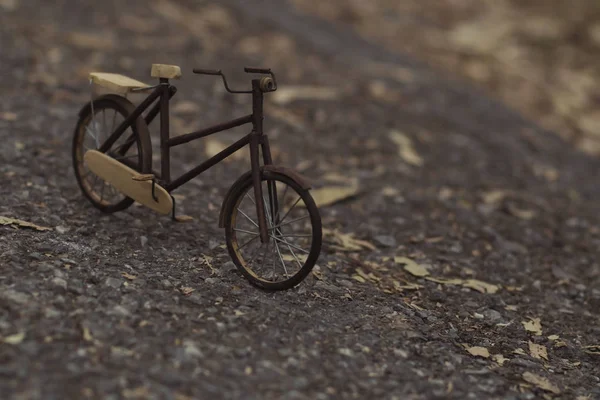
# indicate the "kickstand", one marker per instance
pixel 181 218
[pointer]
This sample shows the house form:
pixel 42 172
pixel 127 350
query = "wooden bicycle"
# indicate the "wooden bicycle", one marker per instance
pixel 272 224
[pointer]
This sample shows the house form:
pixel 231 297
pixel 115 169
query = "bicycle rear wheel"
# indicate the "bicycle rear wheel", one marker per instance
pixel 294 227
pixel 133 147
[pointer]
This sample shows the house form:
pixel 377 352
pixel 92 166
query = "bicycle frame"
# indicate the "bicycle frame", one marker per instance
pixel 163 92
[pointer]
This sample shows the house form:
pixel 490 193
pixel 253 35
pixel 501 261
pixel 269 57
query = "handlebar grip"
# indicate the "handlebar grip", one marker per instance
pixel 207 71
pixel 252 70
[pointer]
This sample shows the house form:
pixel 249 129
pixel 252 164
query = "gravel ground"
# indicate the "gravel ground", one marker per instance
pixel 464 266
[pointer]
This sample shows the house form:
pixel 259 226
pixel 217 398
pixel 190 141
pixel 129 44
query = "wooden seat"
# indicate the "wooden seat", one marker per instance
pixel 117 83
pixel 165 71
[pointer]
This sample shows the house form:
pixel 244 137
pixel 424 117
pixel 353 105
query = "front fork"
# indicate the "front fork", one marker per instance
pixel 263 226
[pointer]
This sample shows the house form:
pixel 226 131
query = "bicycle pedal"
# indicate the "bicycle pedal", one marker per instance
pixel 143 177
pixel 183 218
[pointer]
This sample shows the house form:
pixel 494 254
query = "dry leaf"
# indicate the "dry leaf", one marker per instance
pixel 101 41
pixel 520 352
pixel 412 267
pixel 477 351
pixel 87 335
pixel 186 290
pixel 475 284
pixel 8 116
pixel 21 223
pixel 389 191
pixel 405 148
pixel 521 213
pixel 480 286
pixel 593 349
pixel 499 358
pixel 538 351
pixel 347 242
pixel 330 195
pixel 128 276
pixel 494 196
pixel 541 382
pixel 14 339
pixel 289 94
pixel 443 281
pixel 553 337
pixel 359 278
pixel 534 325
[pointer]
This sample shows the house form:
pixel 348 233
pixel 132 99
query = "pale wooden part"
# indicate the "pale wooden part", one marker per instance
pixel 117 83
pixel 120 176
pixel 143 177
pixel 165 71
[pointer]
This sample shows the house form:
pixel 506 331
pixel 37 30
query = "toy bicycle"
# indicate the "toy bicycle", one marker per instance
pixel 272 224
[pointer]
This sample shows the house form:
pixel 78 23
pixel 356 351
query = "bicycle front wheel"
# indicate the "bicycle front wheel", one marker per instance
pixel 294 227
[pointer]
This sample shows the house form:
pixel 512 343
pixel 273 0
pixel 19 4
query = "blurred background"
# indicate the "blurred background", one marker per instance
pixel 538 56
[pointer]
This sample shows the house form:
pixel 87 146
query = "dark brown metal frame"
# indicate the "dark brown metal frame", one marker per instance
pixel 164 91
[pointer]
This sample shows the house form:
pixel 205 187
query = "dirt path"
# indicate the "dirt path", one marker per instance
pixel 500 214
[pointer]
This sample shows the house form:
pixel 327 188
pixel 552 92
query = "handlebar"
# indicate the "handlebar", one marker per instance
pixel 252 70
pixel 266 84
pixel 207 71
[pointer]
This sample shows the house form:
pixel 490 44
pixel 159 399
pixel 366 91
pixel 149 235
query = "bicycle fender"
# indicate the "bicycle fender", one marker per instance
pixel 265 171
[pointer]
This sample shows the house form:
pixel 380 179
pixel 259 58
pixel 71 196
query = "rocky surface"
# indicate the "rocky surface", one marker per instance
pixel 463 266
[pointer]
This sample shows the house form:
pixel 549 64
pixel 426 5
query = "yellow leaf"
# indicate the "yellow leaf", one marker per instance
pixel 412 267
pixel 347 242
pixel 329 195
pixel 494 196
pixel 358 278
pixel 21 223
pixel 389 191
pixel 405 148
pixel 477 351
pixel 480 286
pixel 553 337
pixel 128 276
pixel 100 41
pixel 443 281
pixel 534 325
pixel 541 382
pixel 8 116
pixel 499 358
pixel 593 349
pixel 87 335
pixel 519 351
pixel 538 351
pixel 14 339
pixel 186 290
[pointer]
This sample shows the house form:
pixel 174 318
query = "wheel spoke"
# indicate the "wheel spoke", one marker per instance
pixel 245 231
pixel 276 219
pixel 112 125
pixel 289 222
pixel 290 244
pixel 249 219
pixel 103 124
pixel 248 242
pixel 280 257
pixel 290 210
pixel 93 135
